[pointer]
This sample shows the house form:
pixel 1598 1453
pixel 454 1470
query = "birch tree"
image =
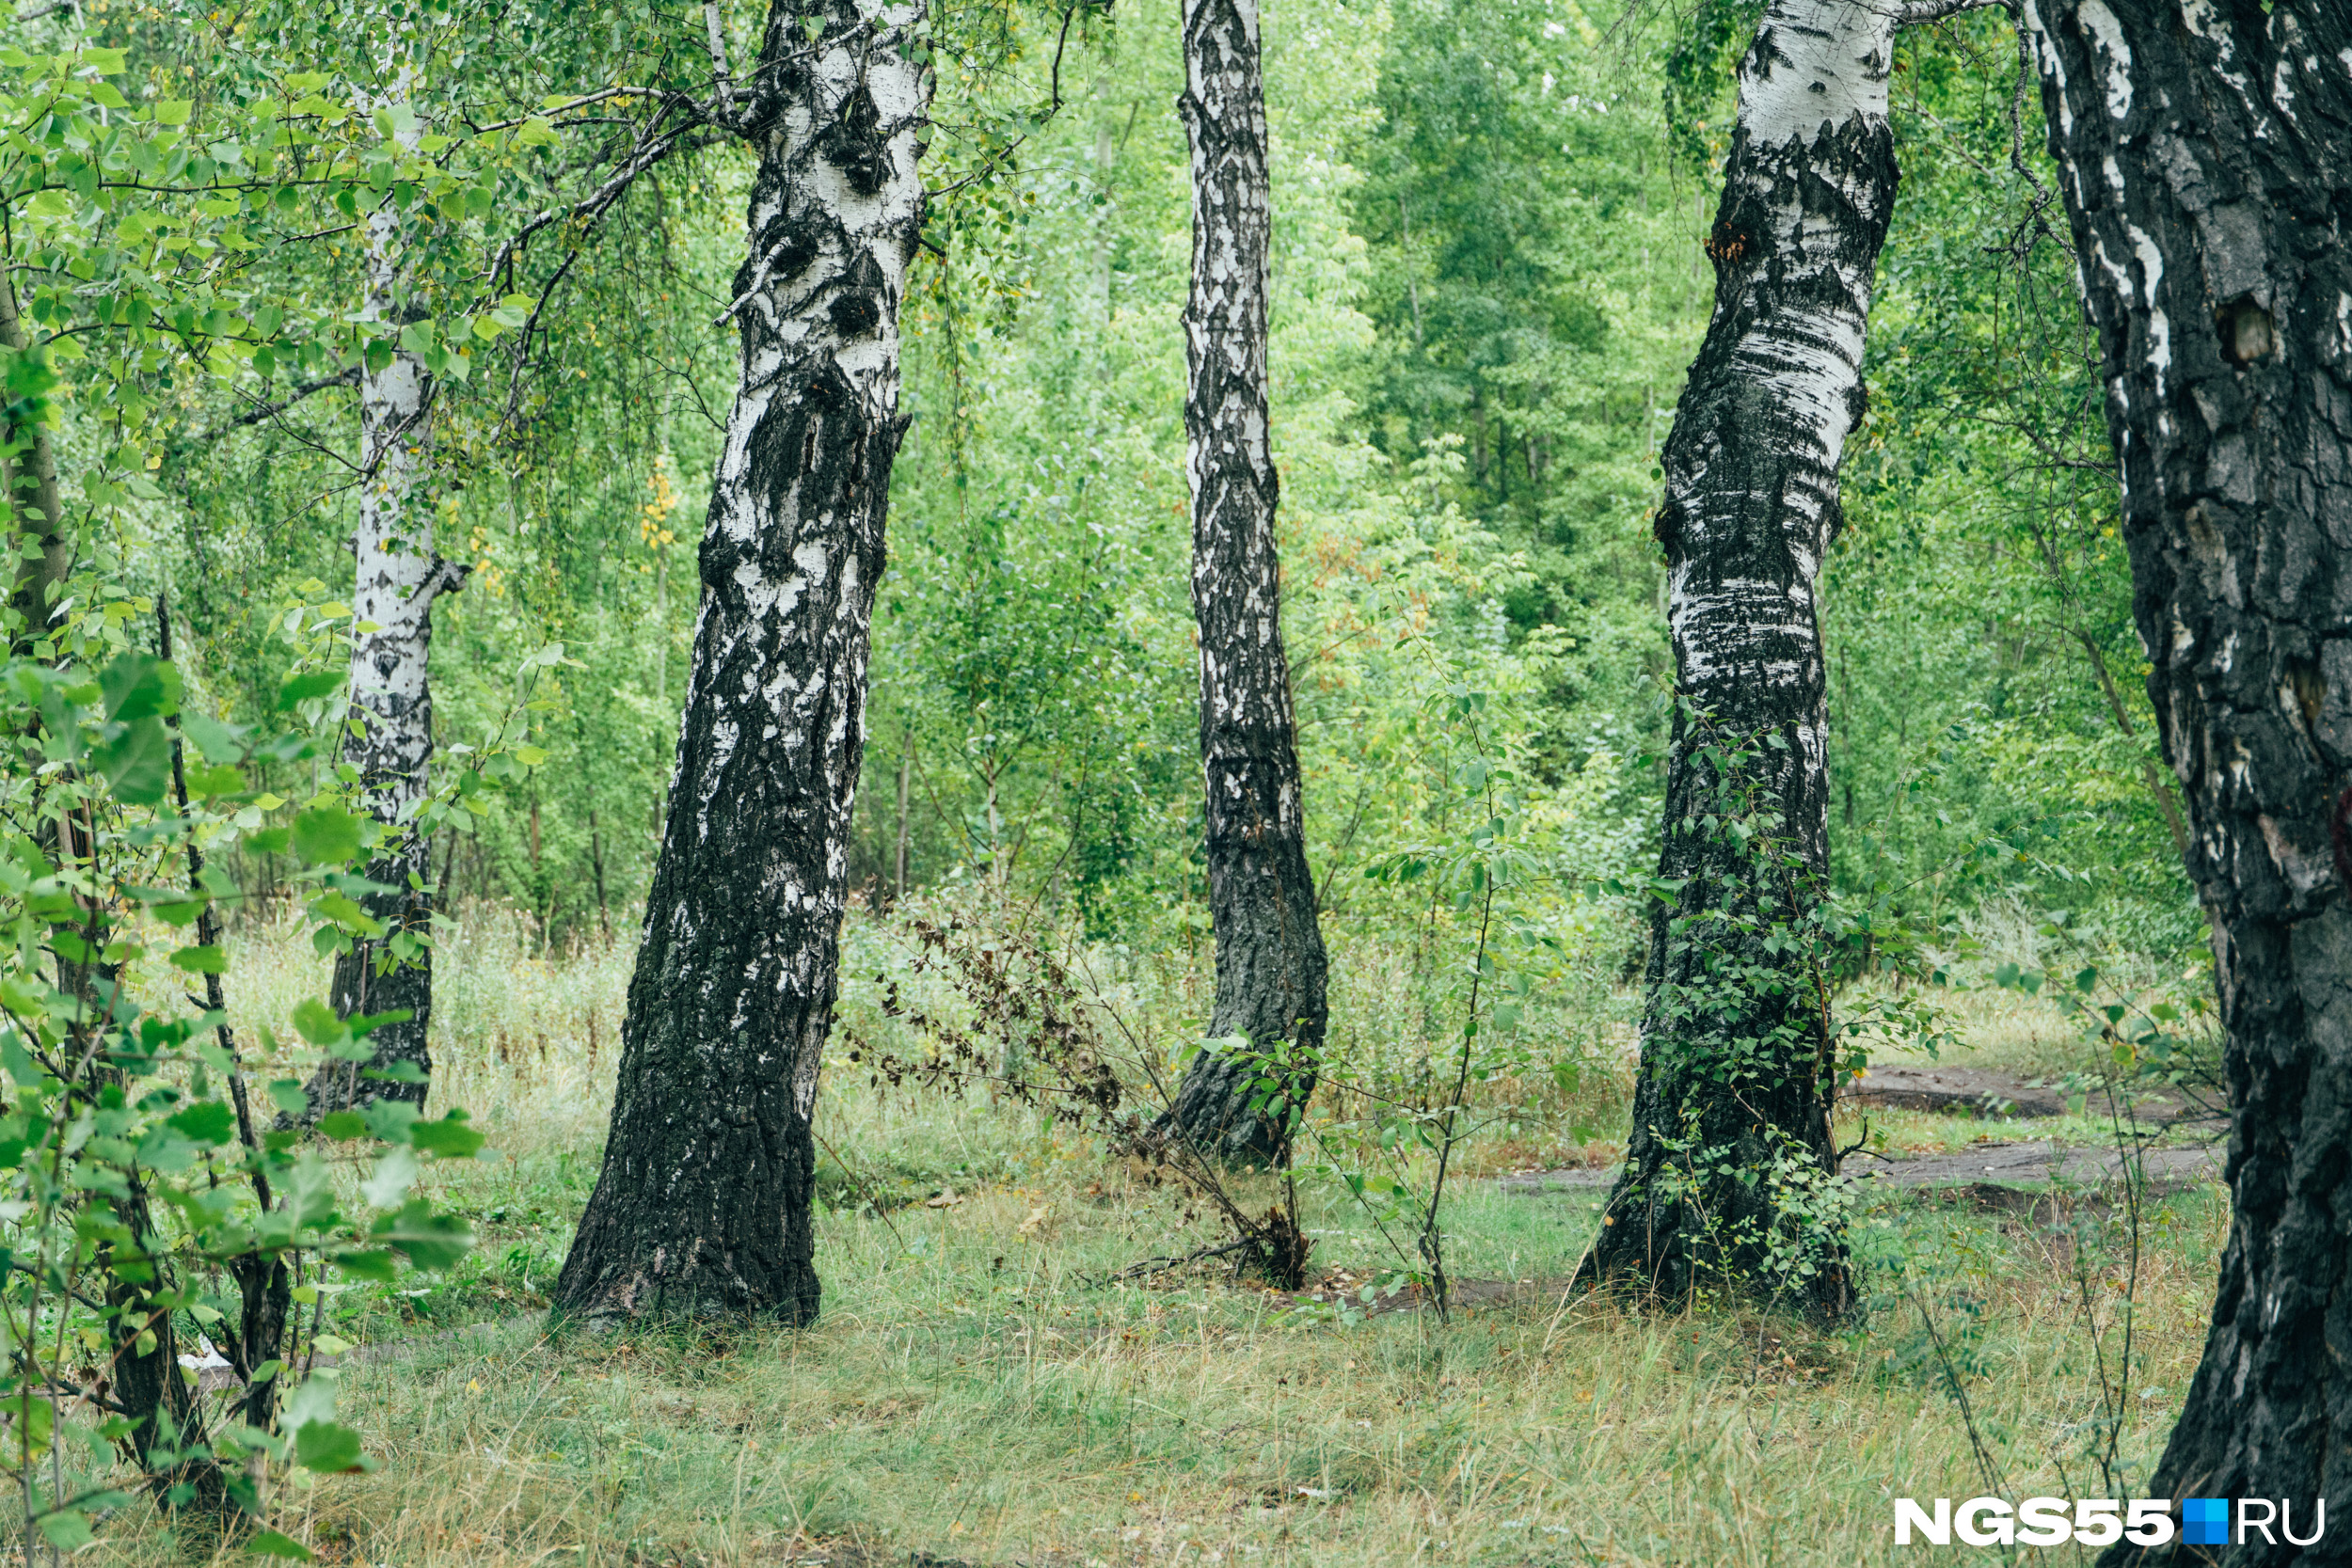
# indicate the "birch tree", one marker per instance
pixel 704 1203
pixel 28 479
pixel 1270 965
pixel 1734 1073
pixel 2205 159
pixel 397 578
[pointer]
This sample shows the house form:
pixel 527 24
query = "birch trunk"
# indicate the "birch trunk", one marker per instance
pixel 1733 1037
pixel 704 1202
pixel 397 578
pixel 2205 158
pixel 1261 900
pixel 29 472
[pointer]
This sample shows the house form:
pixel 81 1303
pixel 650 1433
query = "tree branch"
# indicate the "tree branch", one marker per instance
pixel 721 79
pixel 1918 14
pixel 346 377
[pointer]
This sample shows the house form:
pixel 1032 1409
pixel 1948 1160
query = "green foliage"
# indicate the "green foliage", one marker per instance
pixel 133 1166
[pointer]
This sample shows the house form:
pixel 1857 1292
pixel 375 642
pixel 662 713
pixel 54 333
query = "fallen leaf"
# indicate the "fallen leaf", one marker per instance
pixel 948 1199
pixel 1034 1223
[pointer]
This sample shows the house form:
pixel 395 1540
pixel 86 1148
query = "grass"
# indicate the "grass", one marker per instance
pixel 977 1391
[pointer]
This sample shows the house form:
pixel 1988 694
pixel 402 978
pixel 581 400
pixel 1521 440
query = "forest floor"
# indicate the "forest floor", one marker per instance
pixel 979 1390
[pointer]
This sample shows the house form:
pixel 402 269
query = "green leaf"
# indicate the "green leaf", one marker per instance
pixel 395 1173
pixel 221 742
pixel 172 111
pixel 34 1417
pixel 317 1022
pixel 327 835
pixel 208 1122
pixel 450 1137
pixel 377 1267
pixel 207 959
pixel 428 1240
pixel 137 686
pixel 288 1097
pixel 223 780
pixel 342 1126
pixel 315 683
pixel 327 1446
pixel 106 62
pixel 67 1530
pixel 268 1542
pixel 138 763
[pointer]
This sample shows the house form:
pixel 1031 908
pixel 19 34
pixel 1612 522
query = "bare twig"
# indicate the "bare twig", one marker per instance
pixel 349 377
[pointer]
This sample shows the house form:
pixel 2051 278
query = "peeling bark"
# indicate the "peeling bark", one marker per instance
pixel 704 1203
pixel 1270 966
pixel 1750 509
pixel 397 578
pixel 2205 158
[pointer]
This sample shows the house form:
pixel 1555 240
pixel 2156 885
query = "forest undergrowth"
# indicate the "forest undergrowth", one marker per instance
pixel 983 1387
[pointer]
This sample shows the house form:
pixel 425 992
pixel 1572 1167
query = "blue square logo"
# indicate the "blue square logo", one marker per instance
pixel 2205 1521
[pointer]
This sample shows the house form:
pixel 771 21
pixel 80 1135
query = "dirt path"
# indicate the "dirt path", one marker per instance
pixel 1995 1172
pixel 1984 1091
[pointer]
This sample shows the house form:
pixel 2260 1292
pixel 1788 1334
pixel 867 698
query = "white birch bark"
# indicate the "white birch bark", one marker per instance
pixel 397 578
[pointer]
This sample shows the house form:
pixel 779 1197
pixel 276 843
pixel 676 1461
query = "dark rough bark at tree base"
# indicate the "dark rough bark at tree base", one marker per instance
pixel 1270 964
pixel 2205 158
pixel 1737 1066
pixel 704 1204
